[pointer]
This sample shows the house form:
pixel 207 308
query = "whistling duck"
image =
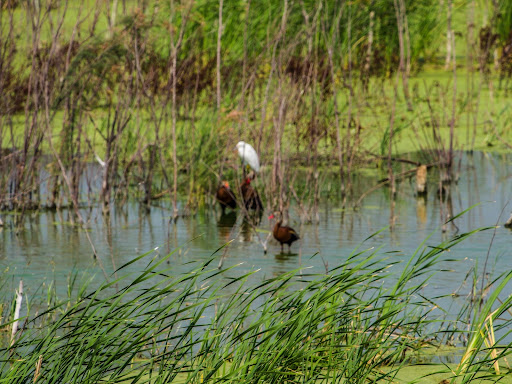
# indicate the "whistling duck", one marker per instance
pixel 250 196
pixel 285 235
pixel 225 196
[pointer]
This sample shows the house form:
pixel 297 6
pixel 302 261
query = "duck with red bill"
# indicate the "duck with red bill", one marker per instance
pixel 283 234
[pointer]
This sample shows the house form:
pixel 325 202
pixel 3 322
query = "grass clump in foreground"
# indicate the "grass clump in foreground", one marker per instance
pixel 357 323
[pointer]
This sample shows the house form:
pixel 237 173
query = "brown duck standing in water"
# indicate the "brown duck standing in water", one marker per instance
pixel 285 235
pixel 250 196
pixel 225 196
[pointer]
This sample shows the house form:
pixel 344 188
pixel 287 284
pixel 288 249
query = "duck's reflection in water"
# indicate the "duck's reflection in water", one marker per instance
pixel 225 224
pixel 249 226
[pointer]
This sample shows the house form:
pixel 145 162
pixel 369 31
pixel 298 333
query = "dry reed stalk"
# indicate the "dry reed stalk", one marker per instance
pixel 264 104
pixel 454 106
pixel 449 39
pixel 490 342
pixel 367 63
pixel 38 368
pixel 407 38
pixel 111 16
pixel 7 55
pixel 175 48
pixel 470 46
pixel 242 102
pixel 390 144
pixel 313 62
pixel 401 15
pixel 331 48
pixel 348 138
pixel 219 36
pixel 142 90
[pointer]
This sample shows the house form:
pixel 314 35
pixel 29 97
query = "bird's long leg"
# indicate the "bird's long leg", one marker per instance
pixel 244 172
pixel 281 247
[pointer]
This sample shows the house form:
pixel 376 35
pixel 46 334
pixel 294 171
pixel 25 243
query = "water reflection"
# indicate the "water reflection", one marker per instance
pixel 285 262
pixel 247 230
pixel 227 220
pixel 421 210
pixel 225 225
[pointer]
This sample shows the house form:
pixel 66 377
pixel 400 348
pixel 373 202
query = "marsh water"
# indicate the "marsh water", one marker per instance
pixel 47 249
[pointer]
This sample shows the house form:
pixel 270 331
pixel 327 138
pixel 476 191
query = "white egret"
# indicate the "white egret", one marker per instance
pixel 248 155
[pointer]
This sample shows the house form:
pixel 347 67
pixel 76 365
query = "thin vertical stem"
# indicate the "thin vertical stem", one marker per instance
pixel 348 138
pixel 219 36
pixel 270 75
pixel 331 46
pixel 244 68
pixel 17 309
pixel 449 45
pixel 400 17
pixel 469 65
pixel 367 63
pixel 454 103
pixel 175 46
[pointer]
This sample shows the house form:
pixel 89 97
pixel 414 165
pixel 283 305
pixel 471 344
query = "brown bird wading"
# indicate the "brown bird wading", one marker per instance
pixel 250 196
pixel 285 235
pixel 225 196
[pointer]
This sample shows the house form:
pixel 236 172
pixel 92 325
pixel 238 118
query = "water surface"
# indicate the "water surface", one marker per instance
pixel 48 248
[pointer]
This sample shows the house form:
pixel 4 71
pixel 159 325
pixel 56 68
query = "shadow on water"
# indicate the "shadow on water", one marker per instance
pixel 225 225
pixel 283 261
pixel 285 256
pixel 227 220
pixel 249 227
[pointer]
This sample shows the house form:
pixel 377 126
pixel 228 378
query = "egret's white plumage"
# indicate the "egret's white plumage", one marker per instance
pixel 248 155
pixel 98 159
